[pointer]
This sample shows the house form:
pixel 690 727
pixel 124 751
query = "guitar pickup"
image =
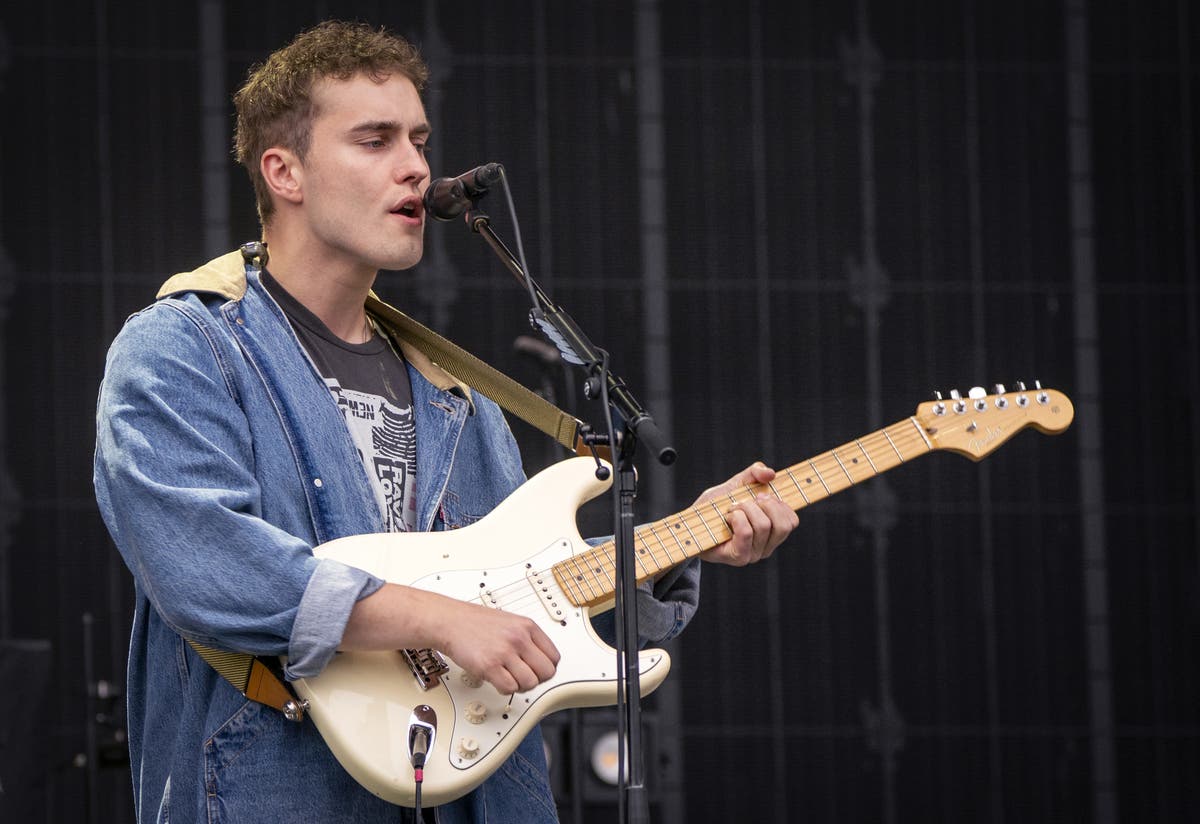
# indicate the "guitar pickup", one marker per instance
pixel 548 595
pixel 427 666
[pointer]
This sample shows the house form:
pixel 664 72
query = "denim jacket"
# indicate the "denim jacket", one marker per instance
pixel 221 460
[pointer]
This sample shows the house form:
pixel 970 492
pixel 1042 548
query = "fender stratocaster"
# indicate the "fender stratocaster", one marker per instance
pixel 527 557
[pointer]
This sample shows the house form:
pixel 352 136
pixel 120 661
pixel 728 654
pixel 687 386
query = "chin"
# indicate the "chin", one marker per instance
pixel 404 260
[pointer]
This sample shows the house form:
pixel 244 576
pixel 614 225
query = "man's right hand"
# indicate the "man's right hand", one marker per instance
pixel 510 652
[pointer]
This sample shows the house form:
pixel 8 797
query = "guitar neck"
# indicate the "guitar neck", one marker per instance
pixel 589 578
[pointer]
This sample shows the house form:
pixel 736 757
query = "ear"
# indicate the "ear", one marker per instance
pixel 283 173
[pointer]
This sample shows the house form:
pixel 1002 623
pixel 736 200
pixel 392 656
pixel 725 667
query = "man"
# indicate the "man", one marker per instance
pixel 251 414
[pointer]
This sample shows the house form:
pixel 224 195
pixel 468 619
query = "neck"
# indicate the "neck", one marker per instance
pixel 333 290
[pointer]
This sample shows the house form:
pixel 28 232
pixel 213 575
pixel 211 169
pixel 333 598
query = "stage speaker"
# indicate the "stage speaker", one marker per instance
pixel 581 750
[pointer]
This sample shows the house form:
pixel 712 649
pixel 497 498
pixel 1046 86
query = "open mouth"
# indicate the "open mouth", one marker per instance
pixel 409 207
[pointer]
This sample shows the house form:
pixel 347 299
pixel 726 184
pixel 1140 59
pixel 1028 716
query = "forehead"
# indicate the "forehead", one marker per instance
pixel 338 103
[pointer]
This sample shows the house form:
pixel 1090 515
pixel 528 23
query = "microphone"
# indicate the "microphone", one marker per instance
pixel 448 197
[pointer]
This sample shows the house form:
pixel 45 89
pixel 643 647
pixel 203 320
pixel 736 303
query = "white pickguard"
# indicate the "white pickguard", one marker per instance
pixel 363 701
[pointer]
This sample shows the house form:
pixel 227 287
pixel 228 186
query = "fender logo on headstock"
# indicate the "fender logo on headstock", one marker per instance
pixel 980 444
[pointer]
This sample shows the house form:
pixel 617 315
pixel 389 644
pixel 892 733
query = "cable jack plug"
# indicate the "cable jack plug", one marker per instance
pixel 418 747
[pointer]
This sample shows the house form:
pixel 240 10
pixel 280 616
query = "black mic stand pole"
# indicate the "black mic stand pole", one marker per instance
pixel 575 347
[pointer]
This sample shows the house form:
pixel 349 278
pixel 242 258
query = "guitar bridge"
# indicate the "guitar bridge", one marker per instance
pixel 427 666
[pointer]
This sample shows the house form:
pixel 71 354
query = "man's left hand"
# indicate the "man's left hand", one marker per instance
pixel 759 525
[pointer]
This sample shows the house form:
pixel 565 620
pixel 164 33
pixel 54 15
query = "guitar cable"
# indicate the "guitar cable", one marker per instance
pixel 420 746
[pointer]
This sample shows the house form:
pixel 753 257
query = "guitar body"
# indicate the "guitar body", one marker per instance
pixel 363 703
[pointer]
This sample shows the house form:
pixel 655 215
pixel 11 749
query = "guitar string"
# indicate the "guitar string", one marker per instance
pixel 882 440
pixel 905 440
pixel 900 438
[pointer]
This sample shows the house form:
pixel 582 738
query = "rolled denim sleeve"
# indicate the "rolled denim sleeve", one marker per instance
pixel 325 608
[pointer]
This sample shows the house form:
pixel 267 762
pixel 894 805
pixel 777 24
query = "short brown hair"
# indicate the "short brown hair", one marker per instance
pixel 275 108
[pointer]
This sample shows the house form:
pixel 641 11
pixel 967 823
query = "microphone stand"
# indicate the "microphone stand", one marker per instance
pixel 575 347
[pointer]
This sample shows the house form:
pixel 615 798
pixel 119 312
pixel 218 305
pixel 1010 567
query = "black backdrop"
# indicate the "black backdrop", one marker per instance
pixel 789 223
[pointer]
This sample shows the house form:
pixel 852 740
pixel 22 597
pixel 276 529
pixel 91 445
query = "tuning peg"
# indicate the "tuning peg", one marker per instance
pixel 1037 384
pixel 954 394
pixel 999 389
pixel 937 396
pixel 977 392
pixel 1020 386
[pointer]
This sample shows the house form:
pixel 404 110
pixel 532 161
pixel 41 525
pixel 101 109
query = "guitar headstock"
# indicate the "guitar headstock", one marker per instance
pixel 979 423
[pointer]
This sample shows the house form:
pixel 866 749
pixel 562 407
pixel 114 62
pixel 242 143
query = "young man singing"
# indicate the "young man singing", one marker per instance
pixel 252 413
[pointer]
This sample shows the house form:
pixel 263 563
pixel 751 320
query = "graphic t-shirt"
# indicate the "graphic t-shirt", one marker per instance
pixel 370 384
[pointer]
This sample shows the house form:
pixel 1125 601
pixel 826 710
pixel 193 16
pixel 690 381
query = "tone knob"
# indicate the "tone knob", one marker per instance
pixel 472 681
pixel 476 712
pixel 468 748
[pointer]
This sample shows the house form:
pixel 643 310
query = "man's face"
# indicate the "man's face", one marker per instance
pixel 364 174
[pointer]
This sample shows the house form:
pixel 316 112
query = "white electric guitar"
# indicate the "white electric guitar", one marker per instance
pixel 527 557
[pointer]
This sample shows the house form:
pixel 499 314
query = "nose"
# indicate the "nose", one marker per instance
pixel 411 167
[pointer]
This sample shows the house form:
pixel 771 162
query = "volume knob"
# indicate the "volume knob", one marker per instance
pixel 476 712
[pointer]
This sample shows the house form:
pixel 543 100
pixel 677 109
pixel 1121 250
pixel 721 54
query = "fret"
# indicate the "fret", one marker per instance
pixel 720 514
pixel 644 551
pixel 833 472
pixel 866 455
pixel 666 552
pixel 890 441
pixel 842 465
pixel 693 540
pixel 639 550
pixel 828 491
pixel 607 579
pixel 799 488
pixel 854 465
pixel 640 570
pixel 582 576
pixel 675 536
pixel 706 529
pixel 721 528
pixel 563 576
